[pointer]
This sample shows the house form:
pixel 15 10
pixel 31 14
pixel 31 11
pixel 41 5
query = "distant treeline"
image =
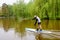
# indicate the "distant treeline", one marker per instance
pixel 45 9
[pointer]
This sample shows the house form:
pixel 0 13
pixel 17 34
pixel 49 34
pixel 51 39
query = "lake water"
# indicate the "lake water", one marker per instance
pixel 10 29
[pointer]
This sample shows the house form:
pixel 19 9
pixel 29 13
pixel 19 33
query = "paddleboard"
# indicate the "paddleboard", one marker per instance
pixel 34 30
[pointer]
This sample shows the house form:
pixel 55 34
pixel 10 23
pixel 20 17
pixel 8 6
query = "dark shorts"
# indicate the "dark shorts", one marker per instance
pixel 39 23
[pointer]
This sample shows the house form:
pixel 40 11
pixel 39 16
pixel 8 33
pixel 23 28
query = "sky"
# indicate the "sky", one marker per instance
pixel 10 1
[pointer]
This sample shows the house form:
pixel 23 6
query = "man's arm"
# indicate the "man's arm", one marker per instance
pixel 35 22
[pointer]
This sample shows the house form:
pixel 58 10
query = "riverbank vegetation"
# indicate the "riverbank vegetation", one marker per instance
pixel 45 9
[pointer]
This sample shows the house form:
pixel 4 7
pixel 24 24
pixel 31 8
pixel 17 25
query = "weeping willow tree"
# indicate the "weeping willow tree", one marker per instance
pixel 40 8
pixel 19 9
pixel 1 11
pixel 5 10
pixel 54 9
pixel 45 9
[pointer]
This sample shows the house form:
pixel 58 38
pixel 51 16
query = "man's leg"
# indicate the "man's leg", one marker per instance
pixel 40 27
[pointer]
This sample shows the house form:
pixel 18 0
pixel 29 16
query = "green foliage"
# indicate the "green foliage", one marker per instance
pixel 49 9
pixel 5 10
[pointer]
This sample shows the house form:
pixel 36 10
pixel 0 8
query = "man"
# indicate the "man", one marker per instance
pixel 39 22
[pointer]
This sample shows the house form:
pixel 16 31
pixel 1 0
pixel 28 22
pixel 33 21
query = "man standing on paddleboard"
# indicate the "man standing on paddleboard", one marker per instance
pixel 37 21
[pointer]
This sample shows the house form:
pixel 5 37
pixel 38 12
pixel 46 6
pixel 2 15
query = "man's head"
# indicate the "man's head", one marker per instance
pixel 35 16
